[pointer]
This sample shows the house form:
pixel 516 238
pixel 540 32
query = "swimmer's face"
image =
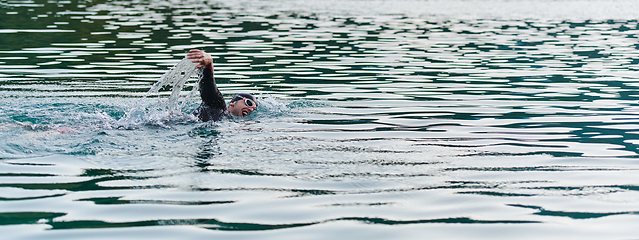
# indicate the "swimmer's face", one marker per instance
pixel 240 109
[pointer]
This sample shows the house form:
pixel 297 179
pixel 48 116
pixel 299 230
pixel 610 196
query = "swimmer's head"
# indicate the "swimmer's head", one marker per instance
pixel 242 104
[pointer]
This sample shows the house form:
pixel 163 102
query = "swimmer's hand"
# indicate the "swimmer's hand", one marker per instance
pixel 204 59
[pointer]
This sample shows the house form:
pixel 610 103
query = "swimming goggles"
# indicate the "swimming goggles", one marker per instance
pixel 249 103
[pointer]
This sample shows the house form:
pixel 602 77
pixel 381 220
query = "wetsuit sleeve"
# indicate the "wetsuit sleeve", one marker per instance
pixel 211 96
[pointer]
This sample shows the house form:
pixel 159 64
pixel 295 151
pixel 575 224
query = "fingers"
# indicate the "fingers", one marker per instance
pixel 199 63
pixel 199 56
pixel 195 53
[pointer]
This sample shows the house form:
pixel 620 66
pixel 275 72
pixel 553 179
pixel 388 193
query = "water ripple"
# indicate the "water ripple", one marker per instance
pixel 446 117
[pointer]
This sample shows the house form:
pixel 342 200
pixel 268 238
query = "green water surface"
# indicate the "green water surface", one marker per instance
pixel 377 120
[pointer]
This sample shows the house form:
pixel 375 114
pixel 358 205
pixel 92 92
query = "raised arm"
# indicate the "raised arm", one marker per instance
pixel 211 95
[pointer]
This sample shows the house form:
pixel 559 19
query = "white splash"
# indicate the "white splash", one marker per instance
pixel 166 110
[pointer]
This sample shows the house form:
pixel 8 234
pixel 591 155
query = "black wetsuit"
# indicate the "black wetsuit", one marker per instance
pixel 213 106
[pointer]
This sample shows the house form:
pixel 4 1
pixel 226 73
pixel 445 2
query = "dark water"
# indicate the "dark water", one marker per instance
pixel 377 119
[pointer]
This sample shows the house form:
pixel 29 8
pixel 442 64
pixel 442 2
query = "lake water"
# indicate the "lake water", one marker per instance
pixel 377 120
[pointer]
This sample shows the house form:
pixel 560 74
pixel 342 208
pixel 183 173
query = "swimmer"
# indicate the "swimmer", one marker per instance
pixel 213 106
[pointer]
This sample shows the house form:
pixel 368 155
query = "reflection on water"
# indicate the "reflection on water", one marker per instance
pixel 450 119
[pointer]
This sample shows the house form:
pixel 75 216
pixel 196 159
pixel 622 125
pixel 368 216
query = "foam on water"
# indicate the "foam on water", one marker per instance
pixel 170 110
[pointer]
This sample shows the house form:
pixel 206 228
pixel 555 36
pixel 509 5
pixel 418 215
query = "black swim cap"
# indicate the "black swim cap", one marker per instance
pixel 240 96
